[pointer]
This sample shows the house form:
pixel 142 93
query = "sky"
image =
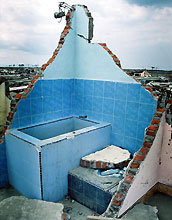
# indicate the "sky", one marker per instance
pixel 139 32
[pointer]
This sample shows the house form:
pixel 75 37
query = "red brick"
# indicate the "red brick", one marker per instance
pixel 147 144
pixel 98 164
pixel 82 163
pixel 158 114
pixel 169 102
pixel 144 150
pixel 106 48
pixel 119 195
pixel 87 163
pixel 134 165
pixel 33 81
pixel 149 89
pixel 153 127
pixel 110 52
pixel 116 202
pixel 26 90
pixel 102 44
pixel 139 157
pixel 18 96
pixel 36 77
pixel 155 121
pixel 128 179
pixel 160 109
pixel 1 141
pixel 150 133
pixel 104 165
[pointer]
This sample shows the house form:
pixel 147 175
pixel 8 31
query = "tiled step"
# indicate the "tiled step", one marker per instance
pixel 90 189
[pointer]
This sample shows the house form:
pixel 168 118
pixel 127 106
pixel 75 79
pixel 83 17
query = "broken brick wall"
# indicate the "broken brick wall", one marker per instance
pixel 147 173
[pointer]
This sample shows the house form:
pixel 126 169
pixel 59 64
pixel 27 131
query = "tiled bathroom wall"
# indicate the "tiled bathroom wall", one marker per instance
pixel 128 107
pixel 50 99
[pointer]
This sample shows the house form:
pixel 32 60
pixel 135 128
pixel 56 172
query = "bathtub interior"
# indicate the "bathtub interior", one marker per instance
pixel 56 128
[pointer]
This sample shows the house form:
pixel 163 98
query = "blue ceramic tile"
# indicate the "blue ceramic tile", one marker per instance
pixel 37 118
pixel 88 87
pixel 118 125
pixel 132 110
pixel 24 108
pixel 25 121
pixel 36 106
pixel 57 102
pixel 130 144
pixel 97 104
pixel 79 87
pixel 121 91
pixel 98 88
pixel 108 106
pixel 48 104
pixel 120 108
pixel 79 102
pixel 67 102
pixel 88 103
pixel 141 129
pixel 97 116
pixel 138 144
pixel 72 82
pixel 145 97
pixel 100 209
pixel 145 112
pixel 133 94
pixel 88 114
pixel 108 118
pixel 77 184
pixel 57 87
pixel 103 198
pixel 57 114
pixel 67 112
pixel 48 116
pixel 131 128
pixel 37 90
pixel 89 190
pixel 117 140
pixel 89 203
pixel 15 123
pixel 109 89
pixel 66 87
pixel 47 87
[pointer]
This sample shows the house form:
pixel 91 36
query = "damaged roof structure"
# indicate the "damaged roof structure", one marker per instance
pixel 84 78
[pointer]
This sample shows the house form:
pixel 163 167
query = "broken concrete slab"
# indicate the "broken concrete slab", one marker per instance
pixel 21 208
pixel 142 212
pixel 110 157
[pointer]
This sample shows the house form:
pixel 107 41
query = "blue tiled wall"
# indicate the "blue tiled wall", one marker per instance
pixel 3 167
pixel 128 107
pixel 50 99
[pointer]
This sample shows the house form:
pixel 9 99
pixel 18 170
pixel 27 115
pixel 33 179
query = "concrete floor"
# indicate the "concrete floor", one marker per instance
pixel 163 204
pixel 77 211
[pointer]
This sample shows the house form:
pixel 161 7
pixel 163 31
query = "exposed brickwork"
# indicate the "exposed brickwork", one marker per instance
pixel 114 57
pixel 103 165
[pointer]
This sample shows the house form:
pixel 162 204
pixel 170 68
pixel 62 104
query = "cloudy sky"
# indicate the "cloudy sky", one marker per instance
pixel 139 32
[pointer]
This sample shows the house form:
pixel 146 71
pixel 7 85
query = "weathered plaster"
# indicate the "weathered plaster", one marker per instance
pixel 79 59
pixel 165 172
pixel 147 176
